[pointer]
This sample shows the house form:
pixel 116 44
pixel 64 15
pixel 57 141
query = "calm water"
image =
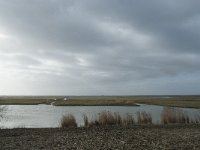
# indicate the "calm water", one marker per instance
pixel 39 116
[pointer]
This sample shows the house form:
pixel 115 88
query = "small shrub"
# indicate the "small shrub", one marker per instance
pixel 68 121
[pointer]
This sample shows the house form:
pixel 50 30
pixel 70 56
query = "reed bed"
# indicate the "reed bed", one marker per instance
pixel 107 118
pixel 169 115
pixel 85 119
pixel 144 118
pixel 196 119
pixel 2 111
pixel 68 121
pixel 127 120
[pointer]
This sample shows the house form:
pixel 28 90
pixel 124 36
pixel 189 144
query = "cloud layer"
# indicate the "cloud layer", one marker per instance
pixel 96 47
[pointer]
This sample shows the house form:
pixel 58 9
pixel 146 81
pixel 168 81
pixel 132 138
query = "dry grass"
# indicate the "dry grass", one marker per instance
pixel 174 115
pixel 196 119
pixel 104 118
pixel 118 118
pixel 128 120
pixel 85 119
pixel 2 110
pixel 144 118
pixel 107 118
pixel 168 116
pixel 68 121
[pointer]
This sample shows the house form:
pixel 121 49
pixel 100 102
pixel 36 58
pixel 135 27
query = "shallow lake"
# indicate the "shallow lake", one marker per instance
pixel 42 116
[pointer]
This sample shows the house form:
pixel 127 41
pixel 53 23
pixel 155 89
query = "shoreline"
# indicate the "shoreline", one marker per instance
pixel 131 105
pixel 107 137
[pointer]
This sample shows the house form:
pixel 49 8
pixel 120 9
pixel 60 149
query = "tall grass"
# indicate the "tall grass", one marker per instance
pixel 68 121
pixel 2 110
pixel 85 119
pixel 171 115
pixel 118 118
pixel 168 116
pixel 144 118
pixel 106 118
pixel 128 120
pixel 196 119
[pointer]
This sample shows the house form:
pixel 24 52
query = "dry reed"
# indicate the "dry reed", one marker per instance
pixel 2 111
pixel 144 118
pixel 107 118
pixel 68 121
pixel 85 119
pixel 168 116
pixel 171 115
pixel 128 120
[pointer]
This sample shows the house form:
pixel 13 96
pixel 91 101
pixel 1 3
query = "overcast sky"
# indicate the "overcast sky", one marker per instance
pixel 99 47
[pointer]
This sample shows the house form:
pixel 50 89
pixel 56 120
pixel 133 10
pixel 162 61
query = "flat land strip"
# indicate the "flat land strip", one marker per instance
pixel 111 137
pixel 177 101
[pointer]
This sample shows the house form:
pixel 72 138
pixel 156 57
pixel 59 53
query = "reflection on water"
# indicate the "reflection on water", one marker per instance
pixel 41 116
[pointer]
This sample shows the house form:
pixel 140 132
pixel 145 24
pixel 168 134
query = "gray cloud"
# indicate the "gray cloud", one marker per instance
pixel 99 47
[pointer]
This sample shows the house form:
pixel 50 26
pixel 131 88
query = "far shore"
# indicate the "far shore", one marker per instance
pixel 173 101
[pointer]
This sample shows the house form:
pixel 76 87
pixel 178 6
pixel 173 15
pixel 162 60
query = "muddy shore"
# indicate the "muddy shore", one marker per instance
pixel 137 137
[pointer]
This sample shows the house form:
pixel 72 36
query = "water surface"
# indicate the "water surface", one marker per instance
pixel 42 116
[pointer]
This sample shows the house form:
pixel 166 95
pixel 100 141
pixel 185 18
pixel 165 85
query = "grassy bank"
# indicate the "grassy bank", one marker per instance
pixel 173 101
pixel 178 101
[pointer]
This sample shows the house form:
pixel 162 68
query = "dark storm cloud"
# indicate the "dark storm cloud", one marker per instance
pixel 175 23
pixel 95 46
